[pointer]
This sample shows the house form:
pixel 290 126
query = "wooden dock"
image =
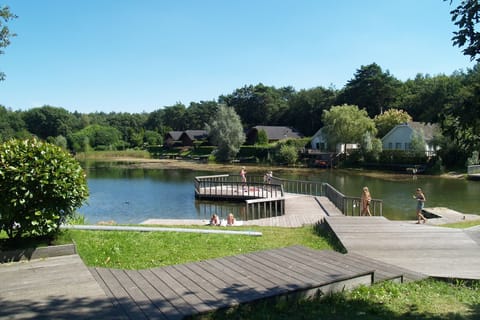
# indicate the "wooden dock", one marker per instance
pixel 52 288
pixel 177 291
pixel 433 250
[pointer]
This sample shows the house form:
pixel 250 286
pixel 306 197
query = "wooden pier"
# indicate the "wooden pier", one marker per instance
pixel 378 250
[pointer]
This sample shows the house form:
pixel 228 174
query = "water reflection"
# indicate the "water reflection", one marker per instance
pixel 134 195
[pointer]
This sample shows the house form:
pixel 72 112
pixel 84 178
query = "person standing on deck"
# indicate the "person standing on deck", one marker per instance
pixel 365 202
pixel 420 197
pixel 243 176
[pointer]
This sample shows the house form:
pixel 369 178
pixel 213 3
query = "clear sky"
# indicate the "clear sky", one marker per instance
pixel 141 55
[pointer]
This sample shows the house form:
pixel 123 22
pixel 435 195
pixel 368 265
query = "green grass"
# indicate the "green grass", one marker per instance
pixel 427 299
pixel 140 250
pixel 463 224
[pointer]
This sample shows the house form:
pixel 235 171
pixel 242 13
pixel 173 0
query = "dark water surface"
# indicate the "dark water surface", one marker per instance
pixel 128 195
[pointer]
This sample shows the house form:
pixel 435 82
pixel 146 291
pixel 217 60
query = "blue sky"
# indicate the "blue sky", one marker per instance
pixel 139 56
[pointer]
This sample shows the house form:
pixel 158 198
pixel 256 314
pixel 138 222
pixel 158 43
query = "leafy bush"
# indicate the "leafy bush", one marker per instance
pixel 40 187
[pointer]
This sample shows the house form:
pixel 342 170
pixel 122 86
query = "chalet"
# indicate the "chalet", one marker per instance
pixel 319 144
pixel 172 137
pixel 274 133
pixel 401 136
pixel 188 137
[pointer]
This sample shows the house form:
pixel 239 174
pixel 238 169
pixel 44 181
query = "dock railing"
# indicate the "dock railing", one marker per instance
pixel 267 199
pixel 230 187
pixel 351 206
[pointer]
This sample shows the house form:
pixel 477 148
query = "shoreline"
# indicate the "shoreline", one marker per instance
pixel 149 163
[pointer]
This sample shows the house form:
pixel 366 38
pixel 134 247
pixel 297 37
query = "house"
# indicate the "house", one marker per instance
pixel 274 133
pixel 319 144
pixel 401 136
pixel 172 137
pixel 188 137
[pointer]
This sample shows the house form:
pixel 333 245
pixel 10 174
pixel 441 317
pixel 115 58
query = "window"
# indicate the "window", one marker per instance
pixel 398 145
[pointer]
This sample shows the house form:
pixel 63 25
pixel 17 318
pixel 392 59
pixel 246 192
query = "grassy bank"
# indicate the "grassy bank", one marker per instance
pixel 427 299
pixel 140 250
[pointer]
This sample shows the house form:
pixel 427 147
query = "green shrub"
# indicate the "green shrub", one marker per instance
pixel 40 187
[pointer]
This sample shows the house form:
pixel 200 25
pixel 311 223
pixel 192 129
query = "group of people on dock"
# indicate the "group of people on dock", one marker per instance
pixel 419 196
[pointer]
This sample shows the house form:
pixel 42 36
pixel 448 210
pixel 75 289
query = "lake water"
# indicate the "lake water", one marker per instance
pixel 135 195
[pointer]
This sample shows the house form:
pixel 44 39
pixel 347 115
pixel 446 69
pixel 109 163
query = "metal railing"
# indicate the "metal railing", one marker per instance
pixel 351 206
pixel 265 200
pixel 264 208
pixel 231 187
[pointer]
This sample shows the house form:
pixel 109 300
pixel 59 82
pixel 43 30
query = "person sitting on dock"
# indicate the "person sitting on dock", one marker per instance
pixel 230 219
pixel 420 197
pixel 214 221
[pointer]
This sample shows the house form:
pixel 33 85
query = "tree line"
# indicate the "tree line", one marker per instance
pixel 452 101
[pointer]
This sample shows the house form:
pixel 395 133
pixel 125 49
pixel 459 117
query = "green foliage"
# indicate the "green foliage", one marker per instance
pixel 371 89
pixel 466 18
pixel 225 130
pixel 418 146
pixel 346 124
pixel 40 187
pixel 402 157
pixel 96 136
pixel 288 154
pixel 389 119
pixel 262 137
pixel 473 160
pixel 5 34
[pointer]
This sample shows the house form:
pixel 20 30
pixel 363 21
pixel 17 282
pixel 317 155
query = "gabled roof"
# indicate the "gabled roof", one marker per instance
pixel 427 130
pixel 175 134
pixel 278 132
pixel 196 134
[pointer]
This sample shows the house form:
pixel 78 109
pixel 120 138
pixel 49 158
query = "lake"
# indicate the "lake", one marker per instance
pixel 127 195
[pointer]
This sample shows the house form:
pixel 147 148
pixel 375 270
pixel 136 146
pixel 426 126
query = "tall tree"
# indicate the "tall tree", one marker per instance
pixel 5 35
pixel 259 105
pixel 466 17
pixel 48 121
pixel 200 113
pixel 225 131
pixel 389 119
pixel 347 124
pixel 370 89
pixel 306 107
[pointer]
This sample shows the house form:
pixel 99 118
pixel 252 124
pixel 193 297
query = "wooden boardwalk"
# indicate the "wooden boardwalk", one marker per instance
pixel 433 250
pixel 177 291
pixel 53 288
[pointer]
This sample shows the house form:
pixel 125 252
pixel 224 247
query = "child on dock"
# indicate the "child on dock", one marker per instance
pixel 420 197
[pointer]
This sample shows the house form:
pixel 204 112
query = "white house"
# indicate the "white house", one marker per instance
pixel 400 137
pixel 319 143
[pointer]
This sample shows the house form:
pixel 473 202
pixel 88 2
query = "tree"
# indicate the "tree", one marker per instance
pixel 48 121
pixel 259 105
pixel 466 17
pixel 371 89
pixel 346 124
pixel 225 131
pixel 98 137
pixel 306 107
pixel 41 186
pixel 288 154
pixel 5 34
pixel 389 119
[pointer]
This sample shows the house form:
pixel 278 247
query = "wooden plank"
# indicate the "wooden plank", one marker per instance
pixel 182 308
